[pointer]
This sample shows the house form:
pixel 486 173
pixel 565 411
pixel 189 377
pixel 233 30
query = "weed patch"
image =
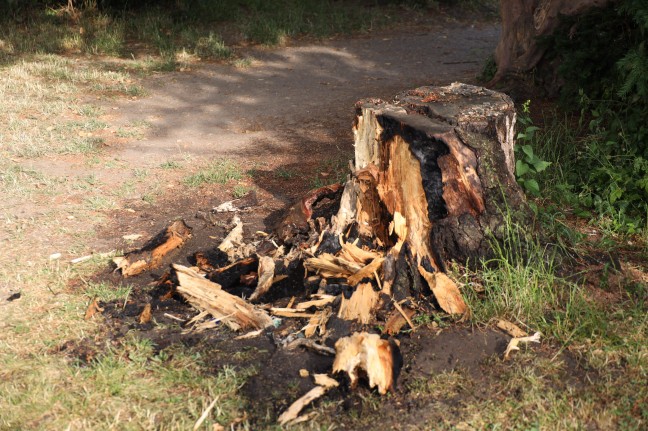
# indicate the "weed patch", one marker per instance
pixel 217 173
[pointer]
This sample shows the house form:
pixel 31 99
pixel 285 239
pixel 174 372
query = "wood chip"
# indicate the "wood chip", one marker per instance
pixel 290 312
pixel 145 315
pixel 92 309
pixel 364 352
pixel 514 342
pixel 368 271
pixel 150 256
pixel 361 304
pixel 324 300
pixel 511 328
pixel 445 291
pixel 399 318
pixel 324 383
pixel 266 276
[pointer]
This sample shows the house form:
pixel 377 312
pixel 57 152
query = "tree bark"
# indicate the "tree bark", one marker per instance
pixel 523 22
pixel 440 158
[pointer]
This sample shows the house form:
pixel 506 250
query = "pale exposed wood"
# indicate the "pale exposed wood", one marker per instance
pixel 145 315
pixel 310 344
pixel 295 408
pixel 445 291
pixel 266 276
pixel 289 312
pixel 328 265
pixel 369 353
pixel 511 328
pixel 361 304
pixel 352 252
pixel 397 319
pixel 206 295
pixel 322 301
pixel 368 271
pixel 151 255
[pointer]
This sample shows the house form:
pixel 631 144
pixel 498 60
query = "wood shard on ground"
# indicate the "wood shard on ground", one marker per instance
pixel 368 353
pixel 151 255
pixel 208 296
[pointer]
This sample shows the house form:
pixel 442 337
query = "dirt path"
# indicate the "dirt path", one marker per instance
pixel 296 96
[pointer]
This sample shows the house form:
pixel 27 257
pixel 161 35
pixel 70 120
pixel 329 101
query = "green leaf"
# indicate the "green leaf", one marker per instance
pixel 541 165
pixel 532 186
pixel 521 168
pixel 527 150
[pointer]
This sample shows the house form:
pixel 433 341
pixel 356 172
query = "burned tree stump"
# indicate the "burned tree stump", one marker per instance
pixel 442 158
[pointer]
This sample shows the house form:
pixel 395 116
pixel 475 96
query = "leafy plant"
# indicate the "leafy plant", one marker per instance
pixel 604 65
pixel 528 164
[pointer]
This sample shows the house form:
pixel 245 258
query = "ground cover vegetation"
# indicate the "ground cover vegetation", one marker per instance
pixel 585 174
pixel 603 163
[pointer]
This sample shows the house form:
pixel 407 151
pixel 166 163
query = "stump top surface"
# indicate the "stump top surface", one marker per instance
pixel 457 103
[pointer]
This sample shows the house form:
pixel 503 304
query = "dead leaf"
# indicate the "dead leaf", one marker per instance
pixel 132 237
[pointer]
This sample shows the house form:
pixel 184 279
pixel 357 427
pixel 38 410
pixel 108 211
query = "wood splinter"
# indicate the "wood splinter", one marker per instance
pixel 152 254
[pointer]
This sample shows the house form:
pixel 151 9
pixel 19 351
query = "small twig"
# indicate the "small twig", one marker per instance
pixel 202 418
pixel 319 348
pixel 171 316
pixel 402 312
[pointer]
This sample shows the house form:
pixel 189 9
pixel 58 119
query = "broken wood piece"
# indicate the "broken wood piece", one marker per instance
pixel 313 323
pixel 240 204
pixel 368 353
pixel 353 253
pixel 361 304
pixel 445 291
pixel 251 334
pixel 367 272
pixel 145 315
pixel 514 342
pixel 511 328
pixel 230 275
pixel 328 265
pixel 322 301
pixel 266 273
pixel 318 322
pixel 208 296
pixel 289 312
pixel 406 315
pixel 151 255
pixel 396 320
pixel 92 309
pixel 233 244
pixel 324 383
pixel 310 344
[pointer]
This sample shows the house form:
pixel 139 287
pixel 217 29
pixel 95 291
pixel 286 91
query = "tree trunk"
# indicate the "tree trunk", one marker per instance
pixel 523 22
pixel 440 158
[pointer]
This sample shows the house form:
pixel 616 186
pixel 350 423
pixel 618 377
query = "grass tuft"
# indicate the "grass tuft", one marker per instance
pixel 217 173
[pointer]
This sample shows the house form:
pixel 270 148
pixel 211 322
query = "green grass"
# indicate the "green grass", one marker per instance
pixel 116 390
pixel 190 29
pixel 241 190
pixel 330 171
pixel 217 173
pixel 106 292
